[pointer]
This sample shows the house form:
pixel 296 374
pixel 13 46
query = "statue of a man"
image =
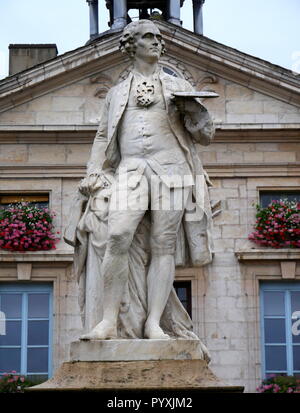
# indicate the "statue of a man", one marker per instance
pixel 146 139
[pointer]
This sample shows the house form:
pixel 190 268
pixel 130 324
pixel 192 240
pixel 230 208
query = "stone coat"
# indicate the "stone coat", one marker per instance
pixel 194 241
pixel 105 153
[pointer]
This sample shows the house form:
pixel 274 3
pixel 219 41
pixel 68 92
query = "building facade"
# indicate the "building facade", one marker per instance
pixel 245 305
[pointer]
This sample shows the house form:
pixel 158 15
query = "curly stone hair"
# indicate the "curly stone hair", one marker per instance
pixel 127 41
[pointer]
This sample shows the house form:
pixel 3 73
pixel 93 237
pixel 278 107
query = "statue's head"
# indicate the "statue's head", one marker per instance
pixel 143 35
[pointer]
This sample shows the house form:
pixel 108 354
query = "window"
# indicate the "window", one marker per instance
pixel 266 197
pixel 25 340
pixel 38 200
pixel 169 71
pixel 184 292
pixel 280 328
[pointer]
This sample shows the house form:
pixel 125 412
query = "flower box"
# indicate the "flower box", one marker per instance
pixel 277 225
pixel 24 227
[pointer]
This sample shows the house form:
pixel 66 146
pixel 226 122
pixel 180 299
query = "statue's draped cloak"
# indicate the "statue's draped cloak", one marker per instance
pixel 87 231
pixel 90 244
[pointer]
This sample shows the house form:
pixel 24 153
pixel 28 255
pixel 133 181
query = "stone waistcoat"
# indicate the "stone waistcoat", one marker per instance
pixel 145 136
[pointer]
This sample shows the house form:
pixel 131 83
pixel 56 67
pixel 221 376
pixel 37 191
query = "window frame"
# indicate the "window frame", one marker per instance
pixel 275 189
pixel 198 278
pixel 170 69
pixel 287 288
pixel 26 289
pixel 25 193
pixel 188 284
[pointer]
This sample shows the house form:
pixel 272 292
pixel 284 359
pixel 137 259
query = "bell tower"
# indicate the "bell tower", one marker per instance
pixel 169 10
pixel 166 10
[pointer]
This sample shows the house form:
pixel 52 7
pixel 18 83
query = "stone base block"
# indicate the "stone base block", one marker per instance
pixel 146 375
pixel 133 350
pixel 136 365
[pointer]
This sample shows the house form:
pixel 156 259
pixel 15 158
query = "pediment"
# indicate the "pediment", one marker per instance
pixel 251 90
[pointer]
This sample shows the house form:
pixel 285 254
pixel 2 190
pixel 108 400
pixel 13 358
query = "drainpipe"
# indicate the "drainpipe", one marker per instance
pixel 94 22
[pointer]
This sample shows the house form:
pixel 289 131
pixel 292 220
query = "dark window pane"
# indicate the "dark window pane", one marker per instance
pixel 182 293
pixel 40 204
pixel 37 378
pixel 296 357
pixel 38 333
pixel 275 357
pixel 33 199
pixel 10 359
pixel 11 305
pixel 274 303
pixel 295 301
pixel 38 305
pixel 12 335
pixel 275 330
pixel 37 360
pixel 169 71
pixel 268 196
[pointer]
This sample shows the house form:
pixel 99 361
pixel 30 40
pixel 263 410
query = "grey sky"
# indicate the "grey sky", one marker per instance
pixel 268 29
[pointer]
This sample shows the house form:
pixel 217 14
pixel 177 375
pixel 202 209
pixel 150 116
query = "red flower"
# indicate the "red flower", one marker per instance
pixel 17 225
pixel 277 230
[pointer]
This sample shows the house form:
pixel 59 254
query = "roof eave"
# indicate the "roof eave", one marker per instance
pixel 205 53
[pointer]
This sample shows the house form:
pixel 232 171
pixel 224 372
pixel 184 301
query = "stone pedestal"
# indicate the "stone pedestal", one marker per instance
pixel 135 350
pixel 136 365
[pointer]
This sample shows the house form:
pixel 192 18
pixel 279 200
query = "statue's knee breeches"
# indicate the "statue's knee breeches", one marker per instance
pixel 165 225
pixel 163 244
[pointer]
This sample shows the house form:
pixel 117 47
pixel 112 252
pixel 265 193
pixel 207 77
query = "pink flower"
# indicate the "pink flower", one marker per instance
pixel 18 232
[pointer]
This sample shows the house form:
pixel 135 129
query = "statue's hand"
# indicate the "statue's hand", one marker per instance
pixel 187 105
pixel 87 184
pixel 93 182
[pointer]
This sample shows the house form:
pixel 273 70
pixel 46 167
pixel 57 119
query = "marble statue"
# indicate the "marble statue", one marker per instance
pixel 127 239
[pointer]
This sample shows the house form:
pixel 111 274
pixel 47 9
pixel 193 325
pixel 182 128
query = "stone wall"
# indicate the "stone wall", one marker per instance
pixel 230 317
pixel 80 103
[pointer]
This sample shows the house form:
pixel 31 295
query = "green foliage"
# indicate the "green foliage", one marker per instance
pixel 280 384
pixel 14 383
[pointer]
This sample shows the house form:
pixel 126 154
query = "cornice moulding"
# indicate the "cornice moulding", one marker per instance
pixel 268 254
pixel 214 170
pixel 38 256
pixel 85 134
pixel 256 170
